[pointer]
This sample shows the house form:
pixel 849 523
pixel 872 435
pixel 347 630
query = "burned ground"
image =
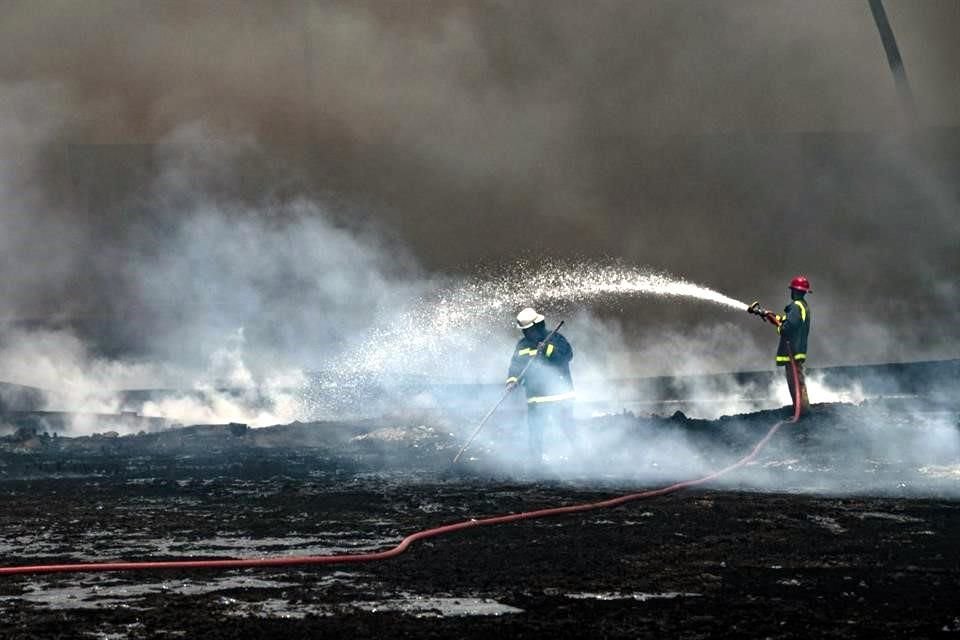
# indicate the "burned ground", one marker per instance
pixel 813 538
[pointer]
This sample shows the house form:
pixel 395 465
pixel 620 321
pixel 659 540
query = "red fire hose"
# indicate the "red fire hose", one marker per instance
pixel 286 561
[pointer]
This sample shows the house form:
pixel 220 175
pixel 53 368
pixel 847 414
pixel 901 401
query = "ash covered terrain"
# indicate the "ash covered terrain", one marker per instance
pixel 843 526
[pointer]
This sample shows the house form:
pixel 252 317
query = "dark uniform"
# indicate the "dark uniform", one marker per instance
pixel 547 383
pixel 794 327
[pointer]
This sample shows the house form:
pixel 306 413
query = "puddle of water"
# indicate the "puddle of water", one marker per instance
pixel 431 606
pixel 144 481
pixel 116 635
pixel 98 592
pixel 108 544
pixel 271 608
pixel 638 596
pixel 103 592
pixel 413 605
pixel 894 517
pixel 827 523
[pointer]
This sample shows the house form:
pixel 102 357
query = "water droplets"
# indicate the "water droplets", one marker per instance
pixel 436 335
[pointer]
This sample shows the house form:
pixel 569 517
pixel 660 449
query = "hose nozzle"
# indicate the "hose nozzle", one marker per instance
pixel 764 314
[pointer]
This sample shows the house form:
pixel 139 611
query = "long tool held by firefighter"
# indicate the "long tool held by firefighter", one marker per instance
pixel 506 393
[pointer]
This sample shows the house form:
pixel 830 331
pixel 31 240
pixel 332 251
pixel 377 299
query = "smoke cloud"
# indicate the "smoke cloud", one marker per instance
pixel 198 199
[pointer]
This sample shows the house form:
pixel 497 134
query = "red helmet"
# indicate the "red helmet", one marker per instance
pixel 800 283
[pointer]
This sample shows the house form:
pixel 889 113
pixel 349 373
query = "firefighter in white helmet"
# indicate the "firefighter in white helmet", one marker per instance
pixel 547 381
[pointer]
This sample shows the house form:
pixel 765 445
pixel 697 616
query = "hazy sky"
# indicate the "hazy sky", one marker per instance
pixel 735 143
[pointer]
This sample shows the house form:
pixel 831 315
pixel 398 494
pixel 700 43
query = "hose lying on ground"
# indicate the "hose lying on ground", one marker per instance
pixel 287 561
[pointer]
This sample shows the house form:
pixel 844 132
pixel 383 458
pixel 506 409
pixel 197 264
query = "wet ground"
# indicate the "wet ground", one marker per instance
pixel 831 532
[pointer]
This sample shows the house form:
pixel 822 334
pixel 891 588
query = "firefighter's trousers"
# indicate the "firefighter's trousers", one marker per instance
pixel 541 415
pixel 800 385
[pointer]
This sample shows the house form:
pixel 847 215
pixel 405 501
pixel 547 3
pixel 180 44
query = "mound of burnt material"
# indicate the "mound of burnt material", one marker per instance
pixel 868 447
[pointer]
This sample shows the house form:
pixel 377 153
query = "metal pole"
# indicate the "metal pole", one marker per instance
pixel 894 60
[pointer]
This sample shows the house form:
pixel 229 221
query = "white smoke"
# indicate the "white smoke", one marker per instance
pixel 239 302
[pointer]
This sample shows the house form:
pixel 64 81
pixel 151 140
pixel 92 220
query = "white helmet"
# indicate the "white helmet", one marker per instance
pixel 527 318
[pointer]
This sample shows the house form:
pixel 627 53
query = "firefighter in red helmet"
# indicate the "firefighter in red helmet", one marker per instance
pixel 793 325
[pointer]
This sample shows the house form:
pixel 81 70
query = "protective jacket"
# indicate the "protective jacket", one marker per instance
pixel 548 378
pixel 794 328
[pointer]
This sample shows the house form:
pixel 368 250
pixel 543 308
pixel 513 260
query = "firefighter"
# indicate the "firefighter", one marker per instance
pixel 793 325
pixel 547 381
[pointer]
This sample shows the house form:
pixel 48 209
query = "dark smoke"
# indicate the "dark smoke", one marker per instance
pixel 173 171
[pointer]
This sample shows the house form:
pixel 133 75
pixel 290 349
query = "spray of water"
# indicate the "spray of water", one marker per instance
pixel 584 283
pixel 438 333
pixel 485 303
